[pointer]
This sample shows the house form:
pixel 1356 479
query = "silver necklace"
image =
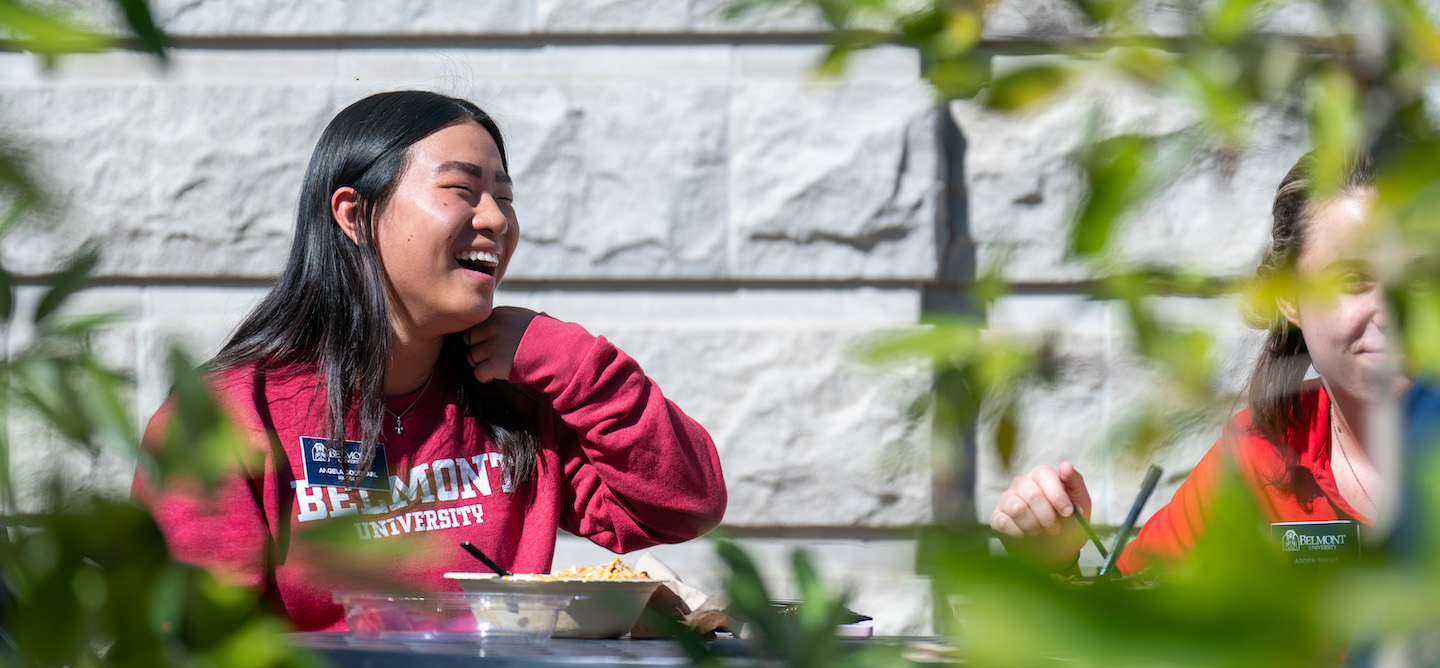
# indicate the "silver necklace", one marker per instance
pixel 1335 437
pixel 399 424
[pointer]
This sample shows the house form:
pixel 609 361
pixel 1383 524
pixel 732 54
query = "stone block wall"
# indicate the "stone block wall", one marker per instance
pixel 685 186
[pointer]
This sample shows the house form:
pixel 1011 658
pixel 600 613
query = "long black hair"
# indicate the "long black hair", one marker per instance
pixel 328 311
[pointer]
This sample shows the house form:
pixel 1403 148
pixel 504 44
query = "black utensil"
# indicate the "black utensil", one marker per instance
pixel 1146 489
pixel 1104 554
pixel 475 552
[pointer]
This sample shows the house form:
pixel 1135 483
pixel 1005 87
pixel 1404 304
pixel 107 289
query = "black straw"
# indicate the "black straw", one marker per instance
pixel 1146 489
pixel 1091 532
pixel 475 552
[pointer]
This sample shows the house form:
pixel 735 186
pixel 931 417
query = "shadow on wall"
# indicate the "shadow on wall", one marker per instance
pixel 953 469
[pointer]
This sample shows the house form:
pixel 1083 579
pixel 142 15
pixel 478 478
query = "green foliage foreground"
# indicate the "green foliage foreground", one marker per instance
pixel 1237 601
pixel 89 584
pixel 1359 78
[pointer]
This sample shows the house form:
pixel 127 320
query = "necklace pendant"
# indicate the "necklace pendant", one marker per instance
pixel 399 424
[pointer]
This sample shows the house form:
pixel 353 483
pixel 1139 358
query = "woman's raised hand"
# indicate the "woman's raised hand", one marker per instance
pixel 491 345
pixel 1035 515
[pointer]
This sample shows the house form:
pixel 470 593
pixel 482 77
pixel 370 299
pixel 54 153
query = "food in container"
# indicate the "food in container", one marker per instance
pixel 452 617
pixel 608 599
pixel 615 570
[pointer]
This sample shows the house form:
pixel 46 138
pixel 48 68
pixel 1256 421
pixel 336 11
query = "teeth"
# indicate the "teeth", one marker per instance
pixel 478 256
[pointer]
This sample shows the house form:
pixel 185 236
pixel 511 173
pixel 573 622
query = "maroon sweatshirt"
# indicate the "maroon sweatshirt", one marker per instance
pixel 619 464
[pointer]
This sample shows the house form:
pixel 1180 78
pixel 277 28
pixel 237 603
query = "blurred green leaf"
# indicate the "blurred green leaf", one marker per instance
pixel 201 443
pixel 107 401
pixel 1005 437
pixel 20 192
pixel 958 78
pixel 48 386
pixel 737 9
pixel 1227 21
pixel 929 22
pixel 1277 68
pixel 1411 22
pixel 7 295
pixel 1027 87
pixel 1104 11
pixel 1337 121
pixel 151 38
pixel 963 29
pixel 1148 64
pixel 77 327
pixel 1121 173
pixel 836 59
pixel 1421 320
pixel 70 279
pixel 817 618
pixel 104 575
pixel 1112 169
pixel 1409 191
pixel 48 31
pixel 1215 81
pixel 940 338
pixel 951 32
pixel 798 635
pixel 750 600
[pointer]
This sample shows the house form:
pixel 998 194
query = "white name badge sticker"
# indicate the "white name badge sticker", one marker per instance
pixel 331 467
pixel 1323 542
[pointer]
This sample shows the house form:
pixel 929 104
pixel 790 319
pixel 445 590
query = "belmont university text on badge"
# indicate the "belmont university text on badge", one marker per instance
pixel 330 467
pixel 1325 542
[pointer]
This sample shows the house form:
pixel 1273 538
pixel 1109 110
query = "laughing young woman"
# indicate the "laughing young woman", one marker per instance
pixel 1300 447
pixel 384 390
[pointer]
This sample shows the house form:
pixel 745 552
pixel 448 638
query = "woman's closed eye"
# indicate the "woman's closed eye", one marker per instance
pixel 468 192
pixel 1354 283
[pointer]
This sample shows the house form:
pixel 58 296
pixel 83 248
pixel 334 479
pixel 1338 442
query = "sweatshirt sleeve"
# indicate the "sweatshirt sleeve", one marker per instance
pixel 638 471
pixel 221 530
pixel 1171 533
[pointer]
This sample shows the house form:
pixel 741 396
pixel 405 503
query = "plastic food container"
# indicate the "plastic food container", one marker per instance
pixel 452 617
pixel 602 609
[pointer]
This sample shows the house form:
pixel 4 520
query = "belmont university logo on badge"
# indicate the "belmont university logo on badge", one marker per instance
pixel 1295 542
pixel 1326 542
pixel 330 466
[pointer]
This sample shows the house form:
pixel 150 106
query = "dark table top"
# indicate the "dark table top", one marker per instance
pixel 346 652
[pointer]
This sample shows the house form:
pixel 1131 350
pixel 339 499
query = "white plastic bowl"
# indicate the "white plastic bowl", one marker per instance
pixel 452 617
pixel 601 608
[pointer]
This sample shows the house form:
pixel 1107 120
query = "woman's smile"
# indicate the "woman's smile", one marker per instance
pixel 481 261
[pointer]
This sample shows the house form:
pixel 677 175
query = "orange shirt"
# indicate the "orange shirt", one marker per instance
pixel 1309 493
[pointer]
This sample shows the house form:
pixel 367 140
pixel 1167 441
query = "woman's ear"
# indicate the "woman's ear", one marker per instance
pixel 345 209
pixel 1287 309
